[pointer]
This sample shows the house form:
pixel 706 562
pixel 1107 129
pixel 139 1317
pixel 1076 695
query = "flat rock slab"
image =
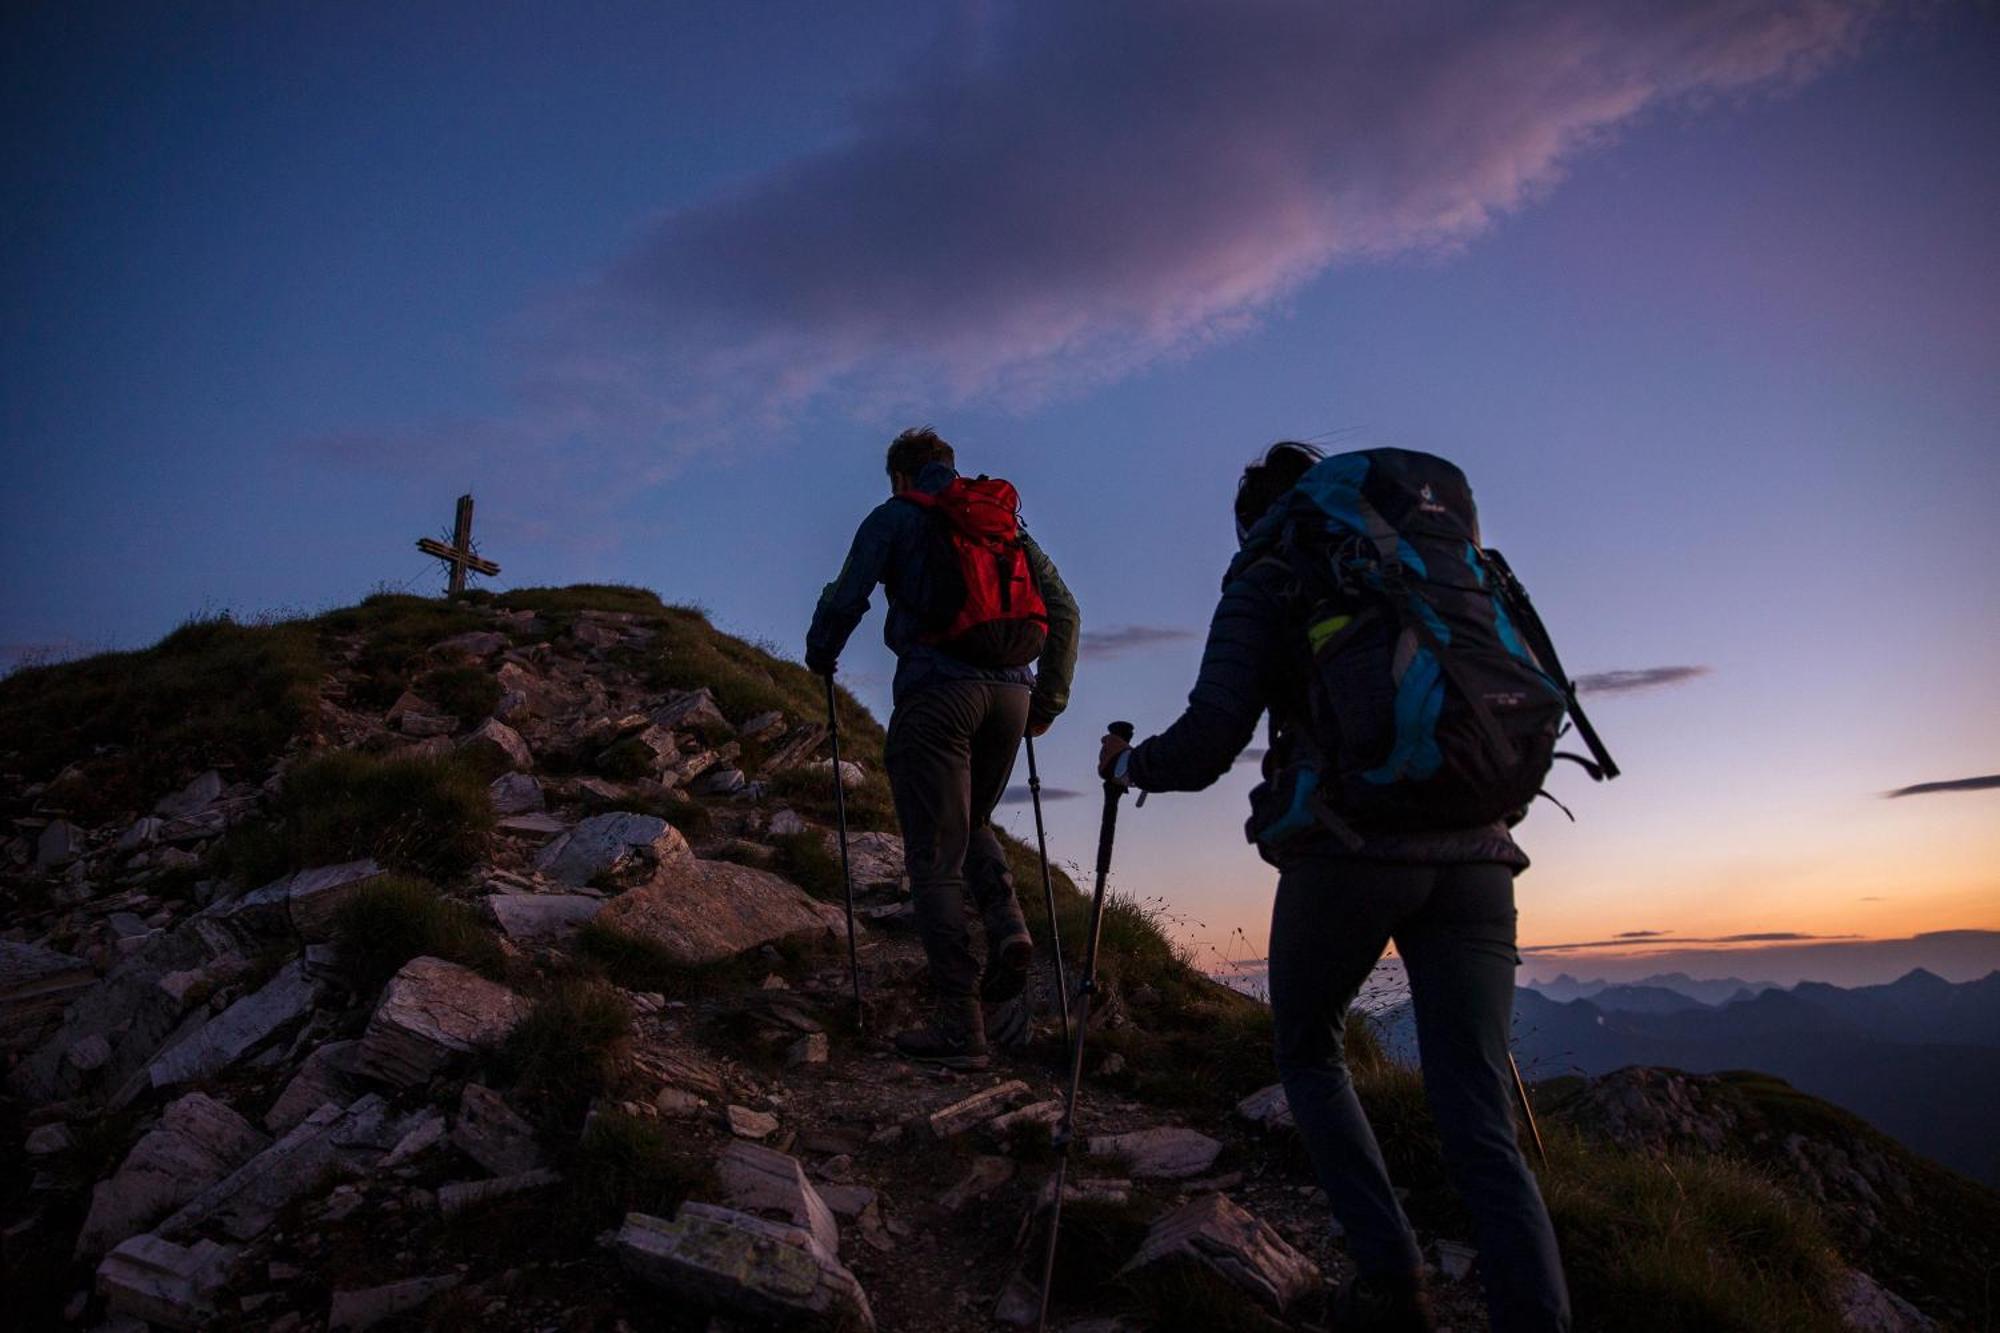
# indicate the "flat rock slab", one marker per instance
pixel 760 1270
pixel 197 1142
pixel 431 1013
pixel 305 902
pixel 706 911
pixel 163 1283
pixel 355 1311
pixel 1036 1115
pixel 603 843
pixel 966 1112
pixel 35 984
pixel 493 1134
pixel 534 918
pixel 748 1124
pixel 328 1075
pixel 453 1199
pixel 192 799
pixel 1170 1152
pixel 1233 1243
pixel 329 1141
pixel 282 1001
pixel 760 1180
pixel 516 794
pixel 497 744
pixel 1267 1108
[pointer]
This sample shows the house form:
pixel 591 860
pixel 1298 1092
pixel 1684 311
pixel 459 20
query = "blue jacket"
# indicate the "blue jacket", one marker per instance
pixel 891 548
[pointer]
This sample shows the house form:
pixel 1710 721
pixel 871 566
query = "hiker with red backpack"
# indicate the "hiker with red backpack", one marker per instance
pixel 985 637
pixel 1414 704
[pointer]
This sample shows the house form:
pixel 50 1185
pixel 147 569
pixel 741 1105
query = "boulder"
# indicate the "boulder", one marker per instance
pixel 755 1179
pixel 763 1272
pixel 492 1134
pixel 431 1013
pixel 1170 1152
pixel 478 644
pixel 875 858
pixel 1866 1306
pixel 305 902
pixel 748 1124
pixel 603 844
pixel 192 799
pixel 59 843
pixel 197 1142
pixel 282 1001
pixel 1234 1244
pixel 693 711
pixel 516 794
pixel 719 781
pixel 354 1311
pixel 1267 1108
pixel 786 824
pixel 163 1283
pixel 852 775
pixel 329 1074
pixel 762 727
pixel 531 918
pixel 705 911
pixel 497 745
pixel 143 832
pixel 329 1141
pixel 35 984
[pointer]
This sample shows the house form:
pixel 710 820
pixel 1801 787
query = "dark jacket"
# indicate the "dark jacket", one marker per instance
pixel 1256 661
pixel 892 548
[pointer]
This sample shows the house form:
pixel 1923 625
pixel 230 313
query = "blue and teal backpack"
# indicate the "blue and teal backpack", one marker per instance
pixel 1435 697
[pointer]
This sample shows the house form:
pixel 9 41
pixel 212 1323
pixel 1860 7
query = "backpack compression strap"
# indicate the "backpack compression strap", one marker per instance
pixel 1544 649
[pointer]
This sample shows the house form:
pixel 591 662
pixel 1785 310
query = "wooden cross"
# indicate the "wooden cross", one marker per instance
pixel 458 556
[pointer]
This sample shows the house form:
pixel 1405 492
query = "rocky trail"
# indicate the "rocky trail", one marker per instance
pixel 506 989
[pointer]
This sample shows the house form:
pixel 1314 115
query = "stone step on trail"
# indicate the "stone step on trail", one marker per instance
pixel 761 1271
pixel 1232 1243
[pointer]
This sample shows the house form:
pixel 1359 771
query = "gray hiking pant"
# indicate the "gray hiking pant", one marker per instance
pixel 1454 928
pixel 951 749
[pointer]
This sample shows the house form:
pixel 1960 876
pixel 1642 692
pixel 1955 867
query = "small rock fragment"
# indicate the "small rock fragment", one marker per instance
pixel 1170 1152
pixel 492 1134
pixel 745 1123
pixel 963 1114
pixel 764 1272
pixel 354 1311
pixel 1234 1244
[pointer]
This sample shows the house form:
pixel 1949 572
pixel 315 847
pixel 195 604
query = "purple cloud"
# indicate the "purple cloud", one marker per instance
pixel 1066 193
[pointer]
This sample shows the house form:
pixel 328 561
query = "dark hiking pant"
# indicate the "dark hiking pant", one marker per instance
pixel 1454 927
pixel 951 749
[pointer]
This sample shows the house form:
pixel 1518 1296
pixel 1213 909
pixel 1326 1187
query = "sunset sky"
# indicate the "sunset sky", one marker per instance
pixel 1704 296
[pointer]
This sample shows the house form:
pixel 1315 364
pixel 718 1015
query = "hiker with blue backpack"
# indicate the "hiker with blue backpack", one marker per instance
pixel 985 637
pixel 1414 705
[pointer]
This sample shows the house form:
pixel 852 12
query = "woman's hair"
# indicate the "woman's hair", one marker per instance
pixel 915 447
pixel 1269 476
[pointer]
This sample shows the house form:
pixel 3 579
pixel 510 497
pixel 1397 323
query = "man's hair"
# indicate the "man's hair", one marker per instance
pixel 915 447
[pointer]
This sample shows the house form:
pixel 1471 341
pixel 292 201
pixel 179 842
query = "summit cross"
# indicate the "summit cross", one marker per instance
pixel 459 556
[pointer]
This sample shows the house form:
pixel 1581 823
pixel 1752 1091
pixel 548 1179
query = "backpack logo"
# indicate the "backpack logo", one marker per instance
pixel 1427 501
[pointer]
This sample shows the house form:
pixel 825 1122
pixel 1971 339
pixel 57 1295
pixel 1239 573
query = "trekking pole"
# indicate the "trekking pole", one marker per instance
pixel 846 875
pixel 1528 1110
pixel 1048 887
pixel 1086 986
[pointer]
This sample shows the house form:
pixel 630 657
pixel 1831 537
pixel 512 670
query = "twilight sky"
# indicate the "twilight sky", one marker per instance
pixel 1704 295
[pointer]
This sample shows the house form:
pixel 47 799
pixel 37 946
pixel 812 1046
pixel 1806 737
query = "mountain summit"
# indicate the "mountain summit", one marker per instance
pixel 477 963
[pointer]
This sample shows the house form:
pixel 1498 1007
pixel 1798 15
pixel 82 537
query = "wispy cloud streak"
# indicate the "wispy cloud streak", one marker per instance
pixel 1128 638
pixel 1987 783
pixel 1069 193
pixel 1642 678
pixel 1022 796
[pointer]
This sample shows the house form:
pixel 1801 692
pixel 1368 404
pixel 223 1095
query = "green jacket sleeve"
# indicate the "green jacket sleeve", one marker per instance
pixel 1057 666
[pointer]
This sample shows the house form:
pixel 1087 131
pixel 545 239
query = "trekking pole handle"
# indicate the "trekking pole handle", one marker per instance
pixel 1122 730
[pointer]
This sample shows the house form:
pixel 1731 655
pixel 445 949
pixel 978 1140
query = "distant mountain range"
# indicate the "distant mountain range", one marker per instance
pixel 1918 1057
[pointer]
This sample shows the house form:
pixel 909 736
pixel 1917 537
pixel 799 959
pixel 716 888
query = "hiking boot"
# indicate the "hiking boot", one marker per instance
pixel 956 1039
pixel 1009 1025
pixel 1007 963
pixel 1383 1303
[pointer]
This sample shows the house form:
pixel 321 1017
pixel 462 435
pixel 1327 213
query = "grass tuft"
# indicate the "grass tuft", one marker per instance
pixel 805 860
pixel 430 817
pixel 399 917
pixel 468 693
pixel 567 1050
pixel 628 1164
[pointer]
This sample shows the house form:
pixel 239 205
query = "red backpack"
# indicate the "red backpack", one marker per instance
pixel 984 607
